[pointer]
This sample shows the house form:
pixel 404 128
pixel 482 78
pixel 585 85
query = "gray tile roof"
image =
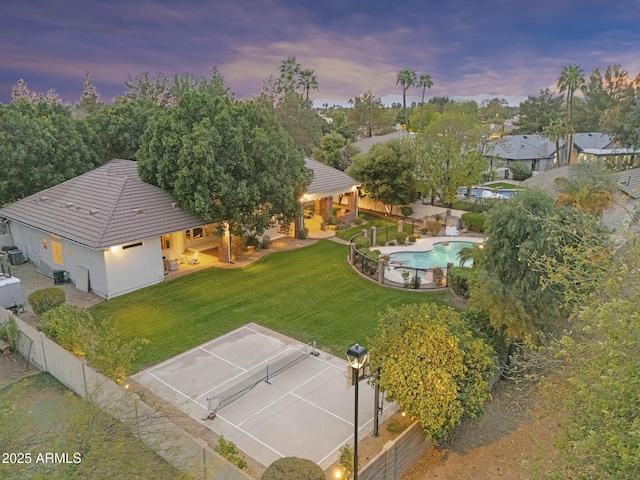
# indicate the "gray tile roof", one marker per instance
pixel 104 207
pixel 524 147
pixel 366 143
pixel 327 179
pixel 546 180
pixel 629 182
pixel 583 141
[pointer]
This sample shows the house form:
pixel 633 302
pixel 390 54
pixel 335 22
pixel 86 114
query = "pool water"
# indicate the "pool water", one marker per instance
pixel 438 257
pixel 482 192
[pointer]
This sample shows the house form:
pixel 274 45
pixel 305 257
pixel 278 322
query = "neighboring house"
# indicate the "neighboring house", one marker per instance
pixel 537 152
pixel 111 232
pixel 107 229
pixel 617 159
pixel 588 141
pixel 365 144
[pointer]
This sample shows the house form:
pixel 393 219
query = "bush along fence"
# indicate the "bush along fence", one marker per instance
pixel 186 453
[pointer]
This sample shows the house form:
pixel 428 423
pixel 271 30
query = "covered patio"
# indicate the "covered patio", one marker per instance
pixel 332 195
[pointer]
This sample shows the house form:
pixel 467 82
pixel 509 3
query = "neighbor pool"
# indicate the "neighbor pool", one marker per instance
pixel 438 257
pixel 486 192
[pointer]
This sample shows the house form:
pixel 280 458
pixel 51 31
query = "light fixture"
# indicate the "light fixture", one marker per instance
pixel 358 358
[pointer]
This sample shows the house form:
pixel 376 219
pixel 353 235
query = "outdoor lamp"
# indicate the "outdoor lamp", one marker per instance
pixel 358 357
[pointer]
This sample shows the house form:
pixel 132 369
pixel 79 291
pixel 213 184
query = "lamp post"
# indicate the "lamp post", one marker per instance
pixel 358 357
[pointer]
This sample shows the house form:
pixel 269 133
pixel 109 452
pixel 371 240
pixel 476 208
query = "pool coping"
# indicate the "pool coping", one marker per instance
pixel 426 244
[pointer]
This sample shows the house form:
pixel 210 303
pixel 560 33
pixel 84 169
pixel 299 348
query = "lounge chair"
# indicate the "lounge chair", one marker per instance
pixel 195 259
pixel 451 232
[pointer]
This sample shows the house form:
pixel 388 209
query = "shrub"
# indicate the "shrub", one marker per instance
pixel 438 275
pixel 333 220
pixel 293 468
pixel 406 210
pixel 362 243
pixel 253 240
pixel 44 300
pixel 9 333
pixel 401 237
pixel 229 450
pixel 74 329
pixel 459 280
pixel 346 461
pixel 391 243
pixel 520 171
pixel 433 228
pixel 266 242
pixel 412 238
pixel 474 221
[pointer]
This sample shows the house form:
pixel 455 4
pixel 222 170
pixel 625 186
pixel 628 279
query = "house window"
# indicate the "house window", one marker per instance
pixel 44 242
pixel 166 242
pixel 187 233
pixel 198 233
pixel 131 245
pixel 56 250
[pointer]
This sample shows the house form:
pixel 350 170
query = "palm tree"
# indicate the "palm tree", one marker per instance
pixel 289 71
pixel 406 78
pixel 425 82
pixel 556 130
pixel 470 254
pixel 307 80
pixel 570 80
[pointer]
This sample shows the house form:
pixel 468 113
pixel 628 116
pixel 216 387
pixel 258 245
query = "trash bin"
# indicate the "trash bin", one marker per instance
pixel 15 257
pixel 58 277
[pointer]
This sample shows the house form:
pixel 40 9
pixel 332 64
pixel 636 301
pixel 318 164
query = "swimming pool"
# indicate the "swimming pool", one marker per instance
pixel 489 193
pixel 438 257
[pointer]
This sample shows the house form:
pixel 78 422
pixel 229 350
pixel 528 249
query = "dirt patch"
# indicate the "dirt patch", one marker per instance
pixel 512 439
pixel 12 370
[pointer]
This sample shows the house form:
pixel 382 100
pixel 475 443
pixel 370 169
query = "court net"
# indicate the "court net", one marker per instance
pixel 264 374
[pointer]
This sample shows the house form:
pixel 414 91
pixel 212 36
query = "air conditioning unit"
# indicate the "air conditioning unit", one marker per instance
pixel 16 257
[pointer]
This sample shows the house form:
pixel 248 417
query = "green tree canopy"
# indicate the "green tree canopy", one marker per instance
pixel 333 151
pixel 224 160
pixel 386 173
pixel 511 284
pixel 432 365
pixel 41 146
pixel 449 156
pixel 535 113
pixel 368 116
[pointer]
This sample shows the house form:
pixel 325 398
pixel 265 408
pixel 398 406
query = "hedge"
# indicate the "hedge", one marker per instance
pixel 459 280
pixel 293 468
pixel 474 221
pixel 44 300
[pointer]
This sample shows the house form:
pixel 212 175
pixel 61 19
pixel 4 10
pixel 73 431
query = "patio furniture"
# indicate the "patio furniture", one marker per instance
pixel 451 231
pixel 195 259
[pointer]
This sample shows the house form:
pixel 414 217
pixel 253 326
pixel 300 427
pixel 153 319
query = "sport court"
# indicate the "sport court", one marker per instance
pixel 303 410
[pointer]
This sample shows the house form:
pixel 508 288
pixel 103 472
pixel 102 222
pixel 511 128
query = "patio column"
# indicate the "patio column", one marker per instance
pixel 225 247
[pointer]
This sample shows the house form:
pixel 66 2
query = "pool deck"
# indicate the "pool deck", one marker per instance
pixel 426 243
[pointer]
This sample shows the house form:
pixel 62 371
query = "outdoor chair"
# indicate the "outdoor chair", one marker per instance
pixel 195 259
pixel 451 231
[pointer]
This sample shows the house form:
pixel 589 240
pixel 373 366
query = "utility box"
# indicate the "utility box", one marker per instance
pixel 59 277
pixel 16 257
pixel 10 292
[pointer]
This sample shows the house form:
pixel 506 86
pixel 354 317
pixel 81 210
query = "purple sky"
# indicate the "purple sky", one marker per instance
pixel 469 47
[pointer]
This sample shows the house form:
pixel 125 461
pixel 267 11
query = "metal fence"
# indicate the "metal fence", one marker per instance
pixel 401 276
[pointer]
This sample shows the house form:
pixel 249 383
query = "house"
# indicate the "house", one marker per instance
pixel 107 229
pixel 535 151
pixel 589 141
pixel 111 233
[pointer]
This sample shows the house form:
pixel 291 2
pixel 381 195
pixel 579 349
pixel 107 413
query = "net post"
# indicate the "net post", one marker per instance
pixel 266 379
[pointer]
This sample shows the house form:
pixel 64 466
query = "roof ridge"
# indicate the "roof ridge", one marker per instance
pixel 103 231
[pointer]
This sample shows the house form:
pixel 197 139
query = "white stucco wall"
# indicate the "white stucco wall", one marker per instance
pixel 130 269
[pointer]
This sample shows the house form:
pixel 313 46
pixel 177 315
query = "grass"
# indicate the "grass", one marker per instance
pixel 373 220
pixel 309 294
pixel 42 416
pixel 511 186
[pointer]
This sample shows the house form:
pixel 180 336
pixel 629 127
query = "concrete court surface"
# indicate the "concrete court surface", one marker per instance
pixel 306 411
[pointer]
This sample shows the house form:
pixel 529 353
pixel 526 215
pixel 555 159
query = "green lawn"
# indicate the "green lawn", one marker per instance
pixel 372 220
pixel 508 185
pixel 309 294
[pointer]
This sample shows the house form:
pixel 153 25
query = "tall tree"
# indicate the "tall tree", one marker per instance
pixel 90 99
pixel 448 156
pixel 406 78
pixel 289 72
pixel 368 116
pixel 307 81
pixel 386 173
pixel 570 80
pixel 424 82
pixel 225 161
pixel 556 131
pixel 536 112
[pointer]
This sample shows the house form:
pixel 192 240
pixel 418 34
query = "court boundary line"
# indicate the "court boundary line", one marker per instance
pixel 250 436
pixel 177 391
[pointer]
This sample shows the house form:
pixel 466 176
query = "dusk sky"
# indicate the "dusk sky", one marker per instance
pixel 503 48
